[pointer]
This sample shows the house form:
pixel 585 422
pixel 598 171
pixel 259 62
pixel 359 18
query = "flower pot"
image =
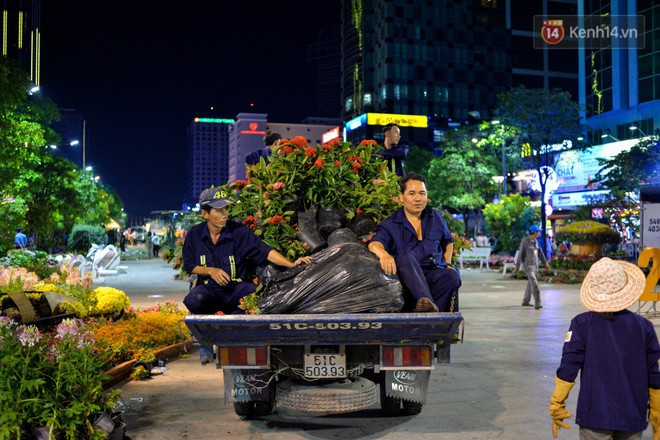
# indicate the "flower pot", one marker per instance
pixel 362 225
pixel 587 249
pixel 342 235
pixel 329 219
pixel 42 433
pixel 118 432
pixel 308 232
pixel 104 423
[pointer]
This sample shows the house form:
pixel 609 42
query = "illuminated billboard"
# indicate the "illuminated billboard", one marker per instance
pixel 418 121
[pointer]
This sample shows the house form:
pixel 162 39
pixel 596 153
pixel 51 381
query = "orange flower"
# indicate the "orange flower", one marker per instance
pixel 319 163
pixel 299 141
pixel 337 163
pixel 358 211
pixel 369 142
pixel 310 152
pixel 275 220
pixel 326 147
pixel 355 166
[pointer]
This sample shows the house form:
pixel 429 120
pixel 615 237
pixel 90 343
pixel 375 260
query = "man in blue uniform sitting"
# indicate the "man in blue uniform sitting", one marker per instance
pixel 415 243
pixel 218 251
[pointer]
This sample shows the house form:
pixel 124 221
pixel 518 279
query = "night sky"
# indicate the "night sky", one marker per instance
pixel 140 71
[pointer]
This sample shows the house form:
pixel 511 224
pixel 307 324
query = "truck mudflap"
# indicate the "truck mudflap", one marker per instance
pixel 359 328
pixel 245 385
pixel 408 385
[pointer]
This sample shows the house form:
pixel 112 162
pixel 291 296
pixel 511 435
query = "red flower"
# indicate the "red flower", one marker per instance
pixel 319 163
pixel 369 142
pixel 310 152
pixel 358 211
pixel 337 163
pixel 299 141
pixel 326 147
pixel 285 149
pixel 334 142
pixel 356 166
pixel 241 184
pixel 275 220
pixel 296 150
pixel 250 221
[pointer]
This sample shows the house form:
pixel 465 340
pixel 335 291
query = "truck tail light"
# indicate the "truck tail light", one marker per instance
pixel 396 356
pixel 243 356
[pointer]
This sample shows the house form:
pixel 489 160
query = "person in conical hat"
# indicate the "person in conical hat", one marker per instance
pixel 616 353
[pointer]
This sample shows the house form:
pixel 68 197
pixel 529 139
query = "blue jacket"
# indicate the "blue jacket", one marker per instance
pixel 20 239
pixel 618 362
pixel 253 157
pixel 236 246
pixel 394 157
pixel 397 234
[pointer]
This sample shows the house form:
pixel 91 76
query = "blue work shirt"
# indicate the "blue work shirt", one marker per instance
pixel 394 157
pixel 236 245
pixel 396 234
pixel 253 157
pixel 20 240
pixel 618 363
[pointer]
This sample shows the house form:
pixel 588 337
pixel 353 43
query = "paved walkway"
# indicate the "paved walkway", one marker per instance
pixel 498 384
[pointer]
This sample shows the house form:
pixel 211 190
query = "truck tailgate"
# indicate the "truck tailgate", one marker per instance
pixel 362 328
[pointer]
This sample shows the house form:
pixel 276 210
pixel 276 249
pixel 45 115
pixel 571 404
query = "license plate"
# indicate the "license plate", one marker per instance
pixel 323 366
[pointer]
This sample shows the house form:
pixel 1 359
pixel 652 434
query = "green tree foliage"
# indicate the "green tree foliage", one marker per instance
pixel 417 160
pixel 461 179
pixel 543 120
pixel 628 170
pixel 43 193
pixel 508 220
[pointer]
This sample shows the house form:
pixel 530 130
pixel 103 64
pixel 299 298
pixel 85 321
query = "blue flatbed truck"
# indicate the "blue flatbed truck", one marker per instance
pixel 328 363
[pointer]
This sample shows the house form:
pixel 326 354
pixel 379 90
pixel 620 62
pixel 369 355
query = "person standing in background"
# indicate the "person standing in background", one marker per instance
pixel 529 255
pixel 391 151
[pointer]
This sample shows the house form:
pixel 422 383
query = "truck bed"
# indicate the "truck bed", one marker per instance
pixel 320 329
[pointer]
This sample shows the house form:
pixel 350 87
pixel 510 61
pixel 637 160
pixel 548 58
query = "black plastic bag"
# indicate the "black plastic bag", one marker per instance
pixel 342 235
pixel 308 231
pixel 344 278
pixel 329 219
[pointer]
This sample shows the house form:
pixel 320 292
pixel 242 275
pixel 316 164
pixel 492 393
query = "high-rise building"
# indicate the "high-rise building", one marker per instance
pixel 540 68
pixel 445 60
pixel 21 35
pixel 325 57
pixel 208 154
pixel 620 83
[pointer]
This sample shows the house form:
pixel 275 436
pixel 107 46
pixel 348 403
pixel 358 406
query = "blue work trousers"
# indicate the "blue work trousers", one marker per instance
pixel 438 284
pixel 207 299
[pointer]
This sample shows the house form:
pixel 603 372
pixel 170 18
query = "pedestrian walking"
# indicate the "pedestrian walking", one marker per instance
pixel 155 240
pixel 529 255
pixel 616 353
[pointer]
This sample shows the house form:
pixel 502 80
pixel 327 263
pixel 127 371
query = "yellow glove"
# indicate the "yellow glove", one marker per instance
pixel 558 405
pixel 654 412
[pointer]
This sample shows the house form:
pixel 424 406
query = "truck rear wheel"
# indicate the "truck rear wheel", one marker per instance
pixel 265 407
pixel 243 409
pixel 412 408
pixel 390 405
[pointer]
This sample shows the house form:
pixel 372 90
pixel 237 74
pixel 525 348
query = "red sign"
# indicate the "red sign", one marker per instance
pixel 253 129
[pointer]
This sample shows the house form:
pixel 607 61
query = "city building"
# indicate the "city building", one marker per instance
pixel 619 88
pixel 247 134
pixel 21 35
pixel 208 155
pixel 445 61
pixel 324 56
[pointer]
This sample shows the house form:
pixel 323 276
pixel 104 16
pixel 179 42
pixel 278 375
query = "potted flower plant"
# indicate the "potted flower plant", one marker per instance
pixel 588 237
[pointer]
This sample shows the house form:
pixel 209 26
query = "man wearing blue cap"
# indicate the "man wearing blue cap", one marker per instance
pixel 529 255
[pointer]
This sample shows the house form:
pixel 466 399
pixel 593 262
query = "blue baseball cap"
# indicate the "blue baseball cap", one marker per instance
pixel 534 228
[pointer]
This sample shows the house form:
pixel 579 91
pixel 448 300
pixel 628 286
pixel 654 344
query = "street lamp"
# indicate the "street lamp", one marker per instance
pixel 499 180
pixel 633 127
pixel 607 134
pixel 496 122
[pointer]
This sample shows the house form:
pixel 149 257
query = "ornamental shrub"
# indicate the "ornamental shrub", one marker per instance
pixel 84 236
pixel 583 232
pixel 509 219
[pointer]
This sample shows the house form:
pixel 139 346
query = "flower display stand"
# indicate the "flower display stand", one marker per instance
pixel 586 249
pixel 120 372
